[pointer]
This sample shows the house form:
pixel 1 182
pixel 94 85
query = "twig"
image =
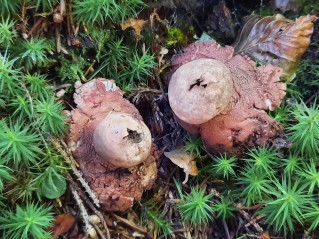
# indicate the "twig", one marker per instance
pixel 98 231
pixel 247 217
pixel 129 223
pixel 23 25
pixel 312 97
pixel 90 68
pixel 173 232
pixel 35 26
pixel 226 229
pixel 58 87
pixel 62 148
pixel 58 38
pixel 85 216
pixel 62 7
pixel 159 81
pixel 91 206
pixel 255 220
pixel 254 207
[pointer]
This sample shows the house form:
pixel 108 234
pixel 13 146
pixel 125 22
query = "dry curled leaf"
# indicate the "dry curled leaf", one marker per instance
pixel 184 161
pixel 136 24
pixel 276 40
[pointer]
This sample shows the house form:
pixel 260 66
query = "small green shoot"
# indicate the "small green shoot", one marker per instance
pixel 115 56
pixel 289 203
pixel 304 134
pixel 193 145
pixel 31 221
pixel 7 33
pixel 256 185
pixel 9 7
pixel 50 117
pixel 313 218
pixel 5 175
pixel 224 166
pixel 224 208
pixel 9 75
pixel 292 164
pixel 196 208
pixel 100 11
pixel 309 176
pixel 18 144
pixel 33 52
pixel 263 158
pixel 37 86
pixel 140 67
pixel 155 220
pixel 24 188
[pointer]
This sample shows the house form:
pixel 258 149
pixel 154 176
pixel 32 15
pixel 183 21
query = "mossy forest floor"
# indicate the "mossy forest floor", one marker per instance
pixel 48 46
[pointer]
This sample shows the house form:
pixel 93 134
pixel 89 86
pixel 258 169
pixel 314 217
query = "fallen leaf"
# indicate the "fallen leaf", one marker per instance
pixel 136 24
pixel 264 235
pixel 184 161
pixel 62 224
pixel 276 40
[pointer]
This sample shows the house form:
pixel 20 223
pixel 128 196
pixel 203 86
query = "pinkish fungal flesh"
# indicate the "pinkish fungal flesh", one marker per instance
pixel 242 122
pixel 103 160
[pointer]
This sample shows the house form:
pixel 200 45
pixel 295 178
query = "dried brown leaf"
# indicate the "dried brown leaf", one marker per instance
pixel 63 224
pixel 136 24
pixel 276 40
pixel 184 161
pixel 264 235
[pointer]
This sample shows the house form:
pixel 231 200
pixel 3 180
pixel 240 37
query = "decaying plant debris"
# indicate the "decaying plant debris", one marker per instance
pixel 276 40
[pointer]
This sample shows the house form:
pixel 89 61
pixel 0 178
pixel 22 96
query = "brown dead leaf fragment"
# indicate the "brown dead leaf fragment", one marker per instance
pixel 136 24
pixel 62 224
pixel 276 40
pixel 264 235
pixel 184 161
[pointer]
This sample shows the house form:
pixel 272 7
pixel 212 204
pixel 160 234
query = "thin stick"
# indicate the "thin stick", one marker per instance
pixel 98 231
pixel 62 148
pixel 129 223
pixel 35 26
pixel 85 216
pixel 91 206
pixel 226 229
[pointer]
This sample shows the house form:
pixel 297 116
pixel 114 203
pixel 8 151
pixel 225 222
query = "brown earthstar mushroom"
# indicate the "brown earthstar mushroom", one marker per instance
pixel 111 144
pixel 205 82
pixel 225 102
pixel 122 140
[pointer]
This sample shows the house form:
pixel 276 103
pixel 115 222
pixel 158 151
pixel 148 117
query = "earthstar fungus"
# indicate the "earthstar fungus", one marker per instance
pixel 111 144
pixel 224 97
